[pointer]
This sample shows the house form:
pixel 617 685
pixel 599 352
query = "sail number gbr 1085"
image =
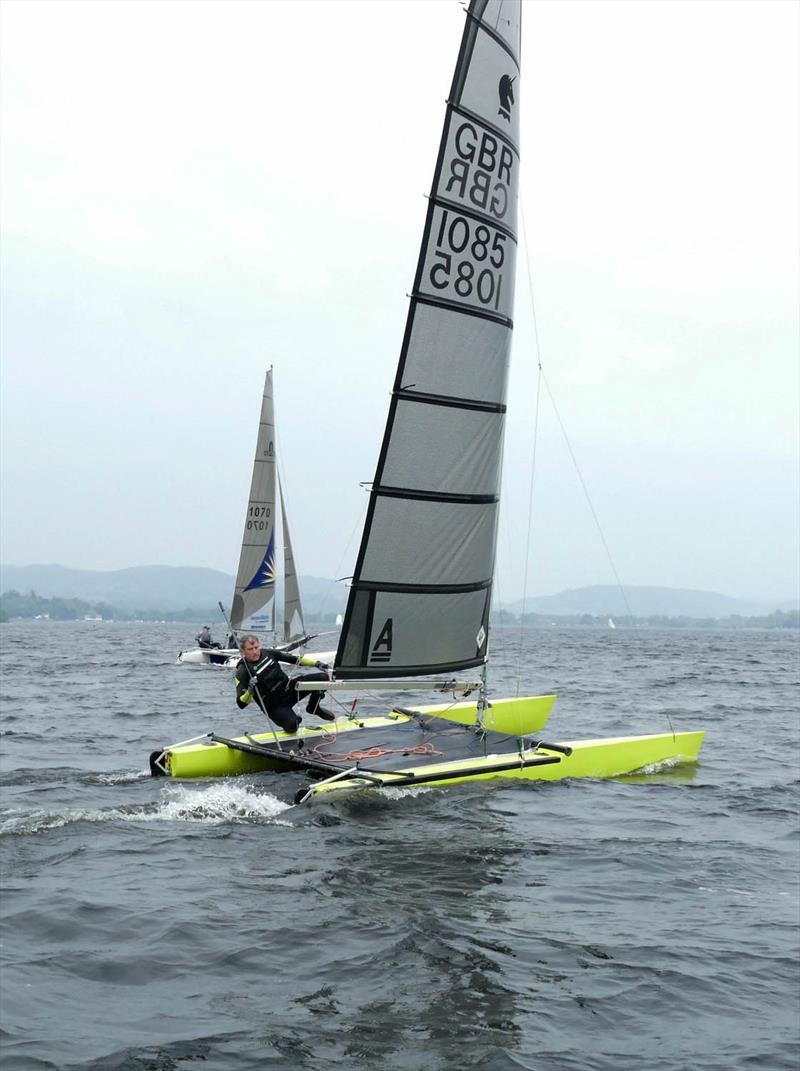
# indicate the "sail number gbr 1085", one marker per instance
pixel 466 261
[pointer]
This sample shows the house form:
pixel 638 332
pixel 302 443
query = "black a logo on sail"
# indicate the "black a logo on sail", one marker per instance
pixel 505 90
pixel 382 648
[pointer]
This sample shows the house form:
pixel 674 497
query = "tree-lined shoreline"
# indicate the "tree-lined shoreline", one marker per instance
pixel 15 605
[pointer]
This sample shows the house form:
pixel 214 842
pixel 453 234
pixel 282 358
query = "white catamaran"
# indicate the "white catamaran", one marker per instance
pixel 253 607
pixel 420 597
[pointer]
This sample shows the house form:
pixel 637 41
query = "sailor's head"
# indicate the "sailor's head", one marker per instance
pixel 250 646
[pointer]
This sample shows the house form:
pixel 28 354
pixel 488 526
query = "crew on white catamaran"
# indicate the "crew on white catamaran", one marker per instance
pixel 203 639
pixel 259 674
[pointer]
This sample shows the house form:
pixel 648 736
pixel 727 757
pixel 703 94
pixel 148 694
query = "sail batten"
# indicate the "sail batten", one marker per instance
pixel 421 592
pixel 415 494
pixel 444 303
pixel 409 395
pixel 492 32
pixel 420 589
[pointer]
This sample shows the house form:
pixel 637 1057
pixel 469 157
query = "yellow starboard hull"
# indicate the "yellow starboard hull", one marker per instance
pixel 611 757
pixel 521 716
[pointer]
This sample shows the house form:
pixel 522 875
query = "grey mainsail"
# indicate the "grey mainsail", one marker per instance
pixel 255 578
pixel 421 592
pixel 293 627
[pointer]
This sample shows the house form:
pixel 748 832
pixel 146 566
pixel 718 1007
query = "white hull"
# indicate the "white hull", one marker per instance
pixel 203 656
pixel 227 659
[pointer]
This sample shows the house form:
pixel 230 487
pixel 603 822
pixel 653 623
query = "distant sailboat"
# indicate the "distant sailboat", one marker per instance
pixel 611 623
pixel 253 606
pixel 421 593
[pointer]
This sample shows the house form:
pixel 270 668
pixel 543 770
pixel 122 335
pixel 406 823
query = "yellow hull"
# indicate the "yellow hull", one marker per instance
pixel 611 757
pixel 509 719
pixel 205 758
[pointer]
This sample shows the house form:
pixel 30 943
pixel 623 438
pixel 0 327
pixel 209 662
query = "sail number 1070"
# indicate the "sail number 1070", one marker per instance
pixel 257 518
pixel 478 274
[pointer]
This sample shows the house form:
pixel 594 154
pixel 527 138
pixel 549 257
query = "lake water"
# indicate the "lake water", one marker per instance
pixel 151 925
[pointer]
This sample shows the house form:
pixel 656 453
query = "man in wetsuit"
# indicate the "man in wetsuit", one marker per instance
pixel 258 674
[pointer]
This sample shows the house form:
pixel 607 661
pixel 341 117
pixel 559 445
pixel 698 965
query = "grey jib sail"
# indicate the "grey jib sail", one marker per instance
pixel 255 578
pixel 293 627
pixel 420 596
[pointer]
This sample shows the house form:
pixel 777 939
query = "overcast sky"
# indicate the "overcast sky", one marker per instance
pixel 192 191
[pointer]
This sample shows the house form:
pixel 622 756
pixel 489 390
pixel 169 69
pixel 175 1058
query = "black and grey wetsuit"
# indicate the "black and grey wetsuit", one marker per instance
pixel 274 692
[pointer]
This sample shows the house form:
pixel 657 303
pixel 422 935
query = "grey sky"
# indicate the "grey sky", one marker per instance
pixel 192 191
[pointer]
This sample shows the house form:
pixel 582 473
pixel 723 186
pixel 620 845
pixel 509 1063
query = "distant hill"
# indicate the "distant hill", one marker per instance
pixel 169 587
pixel 157 586
pixel 607 600
pixel 162 587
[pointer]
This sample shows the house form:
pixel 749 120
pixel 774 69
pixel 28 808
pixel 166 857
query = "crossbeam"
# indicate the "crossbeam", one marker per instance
pixel 384 685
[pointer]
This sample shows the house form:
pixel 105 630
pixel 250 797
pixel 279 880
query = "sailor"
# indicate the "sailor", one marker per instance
pixel 259 674
pixel 203 638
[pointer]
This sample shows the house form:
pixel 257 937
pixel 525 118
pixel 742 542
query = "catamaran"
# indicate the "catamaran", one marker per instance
pixel 417 614
pixel 253 606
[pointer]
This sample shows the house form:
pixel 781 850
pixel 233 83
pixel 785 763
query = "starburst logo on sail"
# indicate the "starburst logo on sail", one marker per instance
pixel 265 574
pixel 506 92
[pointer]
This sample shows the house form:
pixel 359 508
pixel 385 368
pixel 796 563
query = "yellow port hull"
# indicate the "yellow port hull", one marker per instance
pixel 611 757
pixel 519 717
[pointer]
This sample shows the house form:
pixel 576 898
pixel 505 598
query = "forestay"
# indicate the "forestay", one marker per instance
pixel 421 592
pixel 255 579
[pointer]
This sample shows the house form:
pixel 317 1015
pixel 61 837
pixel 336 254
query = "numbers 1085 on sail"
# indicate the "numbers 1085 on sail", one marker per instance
pixel 468 261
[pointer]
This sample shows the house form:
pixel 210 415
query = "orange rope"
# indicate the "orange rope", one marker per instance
pixel 376 752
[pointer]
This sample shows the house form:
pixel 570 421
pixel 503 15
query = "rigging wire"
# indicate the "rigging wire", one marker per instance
pixel 588 496
pixel 539 377
pixel 542 379
pixel 358 524
pixel 529 535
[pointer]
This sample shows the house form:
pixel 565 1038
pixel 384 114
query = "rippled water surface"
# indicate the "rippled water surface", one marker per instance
pixel 648 922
